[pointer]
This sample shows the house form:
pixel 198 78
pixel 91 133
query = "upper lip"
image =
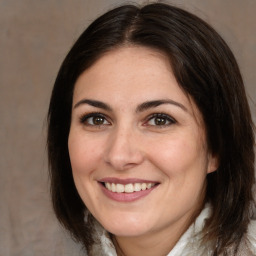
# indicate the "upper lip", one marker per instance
pixel 125 181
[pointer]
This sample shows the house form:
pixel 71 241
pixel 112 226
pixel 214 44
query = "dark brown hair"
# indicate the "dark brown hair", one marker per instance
pixel 205 69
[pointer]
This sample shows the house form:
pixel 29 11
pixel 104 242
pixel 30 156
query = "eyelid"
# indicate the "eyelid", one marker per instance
pixel 160 115
pixel 84 117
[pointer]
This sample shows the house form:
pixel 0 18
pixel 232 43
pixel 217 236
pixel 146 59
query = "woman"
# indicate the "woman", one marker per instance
pixel 150 138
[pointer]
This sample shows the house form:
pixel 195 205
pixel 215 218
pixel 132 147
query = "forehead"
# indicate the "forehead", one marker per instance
pixel 126 77
pixel 122 61
pixel 131 75
pixel 127 69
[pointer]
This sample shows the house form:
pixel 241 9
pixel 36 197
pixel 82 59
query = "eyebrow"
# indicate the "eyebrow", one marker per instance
pixel 155 103
pixel 142 107
pixel 94 103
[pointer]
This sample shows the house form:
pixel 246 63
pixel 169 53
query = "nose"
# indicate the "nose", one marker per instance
pixel 123 149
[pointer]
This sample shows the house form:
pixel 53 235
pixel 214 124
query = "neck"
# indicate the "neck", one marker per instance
pixel 131 247
pixel 159 242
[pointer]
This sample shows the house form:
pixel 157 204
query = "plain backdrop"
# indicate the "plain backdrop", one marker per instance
pixel 35 37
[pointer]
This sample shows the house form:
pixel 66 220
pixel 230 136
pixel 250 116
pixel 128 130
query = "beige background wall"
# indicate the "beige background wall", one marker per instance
pixel 34 38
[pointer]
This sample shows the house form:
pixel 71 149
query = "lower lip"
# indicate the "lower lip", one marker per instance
pixel 126 197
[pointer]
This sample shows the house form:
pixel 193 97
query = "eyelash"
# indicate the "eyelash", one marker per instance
pixel 164 117
pixel 84 119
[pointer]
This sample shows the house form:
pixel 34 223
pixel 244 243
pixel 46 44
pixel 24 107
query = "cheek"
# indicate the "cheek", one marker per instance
pixel 184 164
pixel 176 153
pixel 83 160
pixel 183 161
pixel 82 155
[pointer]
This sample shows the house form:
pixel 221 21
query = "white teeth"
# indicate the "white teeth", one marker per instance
pixel 113 187
pixel 137 187
pixel 149 185
pixel 128 188
pixel 119 188
pixel 108 186
pixel 143 186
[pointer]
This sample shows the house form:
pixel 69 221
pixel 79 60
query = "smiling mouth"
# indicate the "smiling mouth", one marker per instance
pixel 128 188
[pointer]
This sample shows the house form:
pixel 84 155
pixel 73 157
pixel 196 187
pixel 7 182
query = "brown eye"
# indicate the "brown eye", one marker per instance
pixel 98 120
pixel 160 120
pixel 94 119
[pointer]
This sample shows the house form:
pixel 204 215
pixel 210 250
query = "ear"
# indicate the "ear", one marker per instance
pixel 213 163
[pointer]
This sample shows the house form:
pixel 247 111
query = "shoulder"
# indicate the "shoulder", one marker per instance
pixel 251 237
pixel 103 245
pixel 247 245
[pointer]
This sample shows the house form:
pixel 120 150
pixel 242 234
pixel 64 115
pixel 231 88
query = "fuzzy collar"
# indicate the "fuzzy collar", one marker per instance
pixel 189 243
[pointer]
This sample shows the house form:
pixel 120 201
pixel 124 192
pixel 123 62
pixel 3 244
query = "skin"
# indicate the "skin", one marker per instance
pixel 129 143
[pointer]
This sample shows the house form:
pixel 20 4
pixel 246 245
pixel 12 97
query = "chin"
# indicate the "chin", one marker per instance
pixel 126 227
pixel 124 231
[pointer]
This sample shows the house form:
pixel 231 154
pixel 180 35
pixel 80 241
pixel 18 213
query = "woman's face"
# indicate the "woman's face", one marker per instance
pixel 137 145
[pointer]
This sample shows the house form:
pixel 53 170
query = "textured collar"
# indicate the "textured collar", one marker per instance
pixel 190 240
pixel 188 245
